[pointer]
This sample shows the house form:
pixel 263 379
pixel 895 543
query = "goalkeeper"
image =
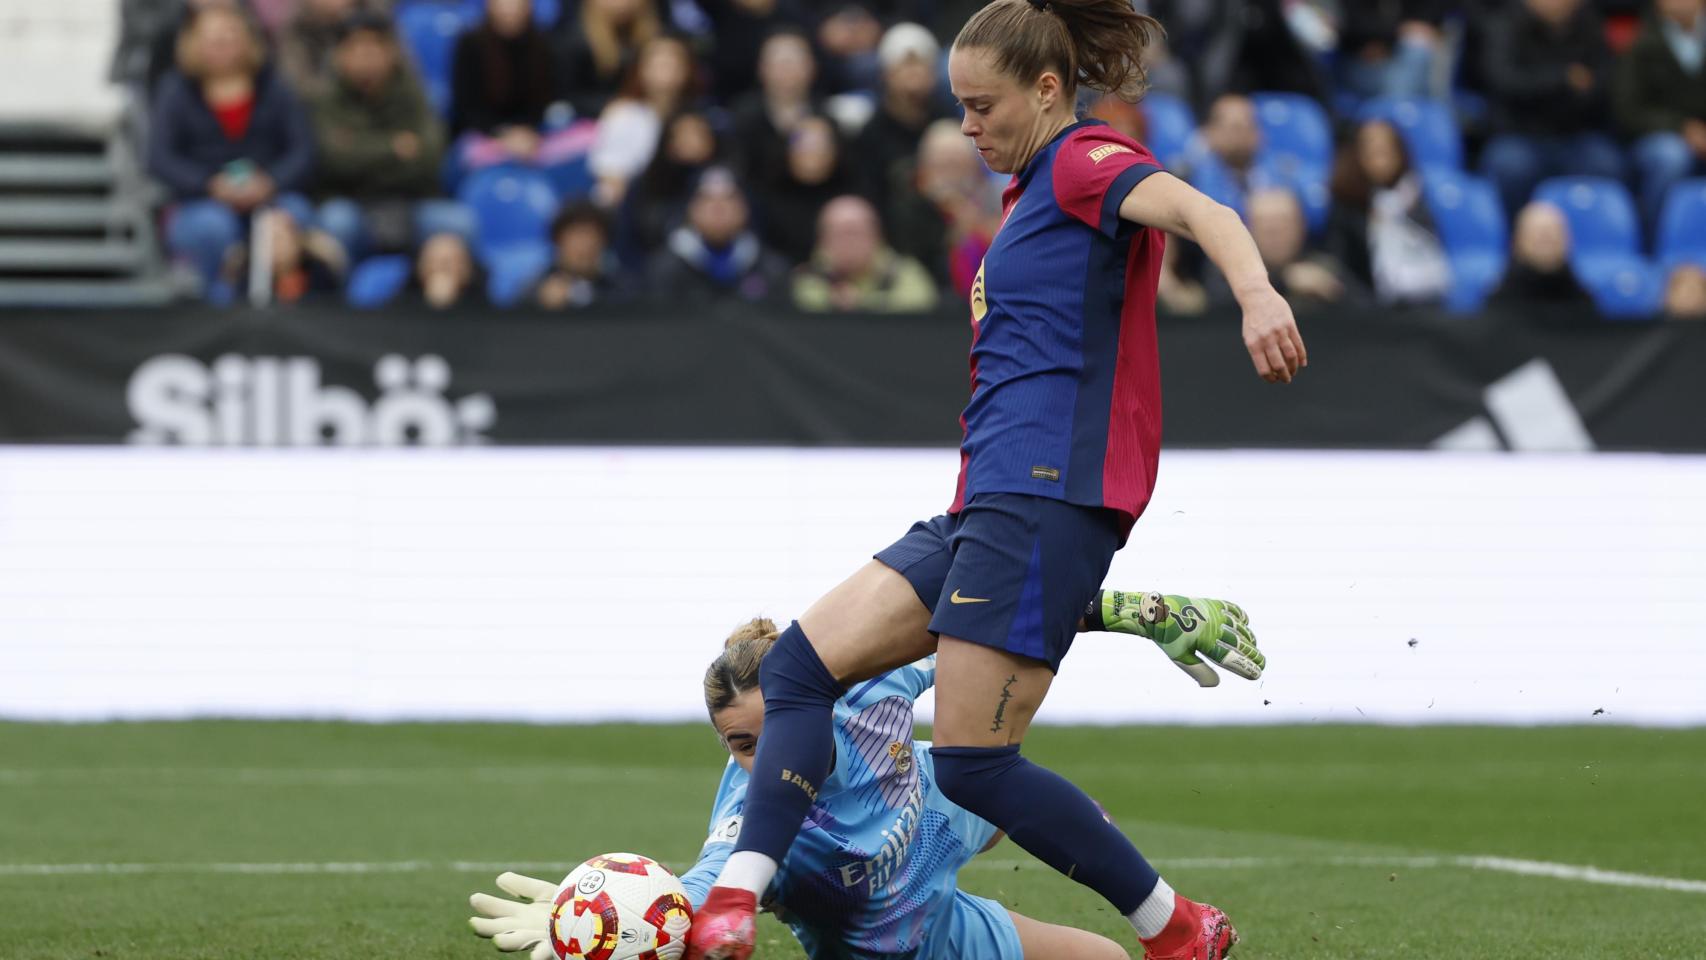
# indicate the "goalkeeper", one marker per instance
pixel 873 871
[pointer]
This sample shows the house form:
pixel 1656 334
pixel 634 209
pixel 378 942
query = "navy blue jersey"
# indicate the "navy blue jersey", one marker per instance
pixel 1066 380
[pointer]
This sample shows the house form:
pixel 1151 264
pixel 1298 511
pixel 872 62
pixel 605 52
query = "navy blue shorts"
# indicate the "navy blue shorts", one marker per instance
pixel 1009 571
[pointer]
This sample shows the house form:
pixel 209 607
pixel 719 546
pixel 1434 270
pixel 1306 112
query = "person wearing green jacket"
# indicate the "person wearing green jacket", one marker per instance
pixel 853 269
pixel 380 146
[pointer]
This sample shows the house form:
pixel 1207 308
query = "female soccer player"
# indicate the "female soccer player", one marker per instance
pixel 873 871
pixel 1062 436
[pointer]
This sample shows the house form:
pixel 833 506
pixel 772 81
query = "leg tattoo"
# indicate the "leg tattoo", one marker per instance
pixel 1001 708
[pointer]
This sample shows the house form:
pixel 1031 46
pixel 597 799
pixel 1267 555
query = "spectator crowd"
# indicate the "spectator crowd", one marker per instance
pixel 562 153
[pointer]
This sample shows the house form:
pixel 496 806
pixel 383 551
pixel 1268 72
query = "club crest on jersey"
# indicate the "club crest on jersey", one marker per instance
pixel 902 754
pixel 979 306
pixel 1107 150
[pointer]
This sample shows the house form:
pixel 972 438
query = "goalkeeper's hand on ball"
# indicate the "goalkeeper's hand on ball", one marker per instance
pixel 522 925
pixel 1187 629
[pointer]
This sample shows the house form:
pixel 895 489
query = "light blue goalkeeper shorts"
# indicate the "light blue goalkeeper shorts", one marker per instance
pixel 976 927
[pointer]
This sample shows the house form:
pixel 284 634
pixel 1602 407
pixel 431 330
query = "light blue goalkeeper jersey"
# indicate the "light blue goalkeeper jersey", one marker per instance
pixel 873 870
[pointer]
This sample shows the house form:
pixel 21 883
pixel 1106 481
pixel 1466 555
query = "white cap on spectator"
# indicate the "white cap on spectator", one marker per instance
pixel 905 40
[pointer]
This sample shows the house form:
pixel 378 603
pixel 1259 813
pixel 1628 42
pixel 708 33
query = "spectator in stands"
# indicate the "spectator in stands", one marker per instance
pixel 227 136
pixel 501 87
pixel 848 36
pixel 659 196
pixel 1685 293
pixel 304 265
pixel 148 46
pixel 742 28
pixel 306 43
pixel 380 145
pixel 908 55
pixel 661 81
pixel 584 271
pixel 1281 233
pixel 1239 45
pixel 600 44
pixel 765 118
pixel 1388 48
pixel 1232 135
pixel 445 275
pixel 944 211
pixel 1380 228
pixel 1540 260
pixel 814 175
pixel 715 254
pixel 853 269
pixel 1661 99
pixel 1224 159
pixel 1547 66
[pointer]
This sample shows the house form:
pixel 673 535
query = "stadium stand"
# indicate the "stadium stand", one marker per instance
pixel 79 223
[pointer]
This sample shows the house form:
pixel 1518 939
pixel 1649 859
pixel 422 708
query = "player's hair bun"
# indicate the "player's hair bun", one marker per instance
pixel 758 628
pixel 735 671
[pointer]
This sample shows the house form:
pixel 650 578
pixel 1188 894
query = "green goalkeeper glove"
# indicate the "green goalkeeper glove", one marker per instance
pixel 1184 627
pixel 522 924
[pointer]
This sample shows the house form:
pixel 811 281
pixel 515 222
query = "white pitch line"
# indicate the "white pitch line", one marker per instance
pixel 1532 868
pixel 1565 871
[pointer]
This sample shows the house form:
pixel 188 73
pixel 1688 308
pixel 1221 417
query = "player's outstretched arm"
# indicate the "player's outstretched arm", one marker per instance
pixel 1187 629
pixel 522 925
pixel 1165 202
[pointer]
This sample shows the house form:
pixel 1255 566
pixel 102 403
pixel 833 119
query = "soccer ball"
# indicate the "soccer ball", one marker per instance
pixel 620 906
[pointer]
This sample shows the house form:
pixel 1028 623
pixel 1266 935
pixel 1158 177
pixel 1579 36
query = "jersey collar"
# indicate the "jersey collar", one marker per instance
pixel 1025 175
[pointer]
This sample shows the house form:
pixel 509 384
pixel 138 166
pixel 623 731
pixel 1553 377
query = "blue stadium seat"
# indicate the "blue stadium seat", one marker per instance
pixel 1296 133
pixel 1682 224
pixel 1625 286
pixel 511 271
pixel 1466 210
pixel 513 206
pixel 1472 229
pixel 430 30
pixel 1600 211
pixel 1475 274
pixel 1427 126
pixel 376 280
pixel 1171 126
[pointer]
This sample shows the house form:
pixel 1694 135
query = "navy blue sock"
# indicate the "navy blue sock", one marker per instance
pixel 796 747
pixel 1050 818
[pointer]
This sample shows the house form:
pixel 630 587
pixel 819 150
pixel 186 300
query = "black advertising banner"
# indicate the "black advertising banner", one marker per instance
pixel 744 375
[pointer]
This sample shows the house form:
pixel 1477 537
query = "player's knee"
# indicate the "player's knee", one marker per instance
pixel 792 673
pixel 969 776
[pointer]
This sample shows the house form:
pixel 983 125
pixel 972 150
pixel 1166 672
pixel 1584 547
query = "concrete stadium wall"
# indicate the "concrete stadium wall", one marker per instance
pixel 596 583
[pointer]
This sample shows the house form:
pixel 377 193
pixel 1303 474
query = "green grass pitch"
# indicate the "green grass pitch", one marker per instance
pixel 1321 842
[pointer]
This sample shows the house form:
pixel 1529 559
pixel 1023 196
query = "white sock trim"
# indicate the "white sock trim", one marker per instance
pixel 749 870
pixel 1151 916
